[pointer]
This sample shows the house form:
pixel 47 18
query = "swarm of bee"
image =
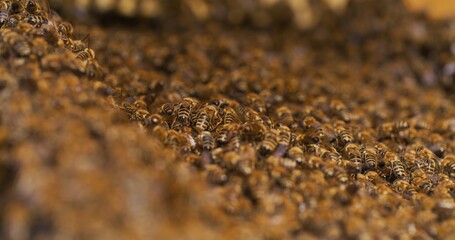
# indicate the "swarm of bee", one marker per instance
pixel 29 29
pixel 310 136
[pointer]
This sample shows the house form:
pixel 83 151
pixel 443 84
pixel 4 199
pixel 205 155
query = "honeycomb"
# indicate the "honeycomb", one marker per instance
pixel 185 125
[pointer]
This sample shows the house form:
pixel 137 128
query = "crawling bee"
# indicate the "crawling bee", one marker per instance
pixel 230 116
pixel 448 164
pixel 36 20
pixel 353 152
pixel 296 154
pixel 269 143
pixel 255 102
pixel 86 54
pixel 396 165
pixel 4 6
pixel 421 181
pixel 184 109
pixel 369 157
pixel 254 130
pixel 205 118
pixel 284 139
pixel 430 159
pixel 65 29
pixel 167 109
pixel 344 134
pixel 16 41
pixel 216 174
pixel 206 140
pixel 225 131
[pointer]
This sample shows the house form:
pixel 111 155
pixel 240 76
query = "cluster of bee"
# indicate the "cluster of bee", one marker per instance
pixel 310 136
pixel 28 28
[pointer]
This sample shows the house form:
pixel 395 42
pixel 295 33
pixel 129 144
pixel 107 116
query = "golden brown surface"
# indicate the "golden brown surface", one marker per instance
pixel 219 130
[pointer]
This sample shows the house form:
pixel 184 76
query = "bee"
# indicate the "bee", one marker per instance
pixel 284 116
pixel 4 6
pixel 206 141
pixel 296 154
pixel 247 114
pixel 284 139
pixel 216 174
pixel 184 109
pixel 167 109
pixel 230 116
pixel 254 130
pixel 353 152
pixel 269 143
pixel 153 120
pixel 344 134
pixel 369 157
pixel 255 102
pixel 205 118
pixel 36 20
pixel 339 109
pixel 421 181
pixel 32 7
pixel 340 174
pixel 15 7
pixel 400 126
pixel 86 54
pixel 396 165
pixel 314 162
pixel 430 159
pixel 39 47
pixel 225 132
pixel 13 20
pixel 65 29
pixel 16 41
pixel 448 164
pixel 248 157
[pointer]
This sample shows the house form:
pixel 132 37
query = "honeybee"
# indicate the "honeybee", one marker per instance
pixel 16 41
pixel 205 118
pixel 255 102
pixel 32 7
pixel 230 116
pixel 247 114
pixel 344 134
pixel 86 54
pixel 15 7
pixel 206 141
pixel 13 20
pixel 430 159
pixel 216 174
pixel 448 164
pixel 39 47
pixel 369 157
pixel 269 143
pixel 296 154
pixel 353 152
pixel 254 130
pixel 184 109
pixel 314 162
pixel 225 132
pixel 400 126
pixel 396 165
pixel 421 180
pixel 4 5
pixel 167 109
pixel 153 120
pixel 339 108
pixel 65 29
pixel 36 20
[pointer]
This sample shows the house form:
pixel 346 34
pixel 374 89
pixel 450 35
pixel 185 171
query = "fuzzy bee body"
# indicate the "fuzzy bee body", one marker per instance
pixel 269 143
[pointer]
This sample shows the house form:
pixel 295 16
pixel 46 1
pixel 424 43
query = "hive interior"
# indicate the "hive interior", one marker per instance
pixel 205 128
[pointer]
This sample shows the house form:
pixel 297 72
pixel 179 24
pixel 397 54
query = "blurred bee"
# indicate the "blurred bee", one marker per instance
pixel 153 120
pixel 16 41
pixel 184 109
pixel 396 165
pixel 206 141
pixel 254 130
pixel 255 102
pixel 369 157
pixel 258 184
pixel 216 174
pixel 339 109
pixel 247 114
pixel 205 118
pixel 167 109
pixel 39 47
pixel 314 162
pixel 86 54
pixel 225 131
pixel 403 187
pixel 340 174
pixel 15 7
pixel 230 116
pixel 430 159
pixel 400 126
pixel 4 6
pixel 36 20
pixel 353 152
pixel 269 143
pixel 448 164
pixel 32 7
pixel 13 20
pixel 421 181
pixel 344 134
pixel 284 116
pixel 65 29
pixel 284 139
pixel 296 154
